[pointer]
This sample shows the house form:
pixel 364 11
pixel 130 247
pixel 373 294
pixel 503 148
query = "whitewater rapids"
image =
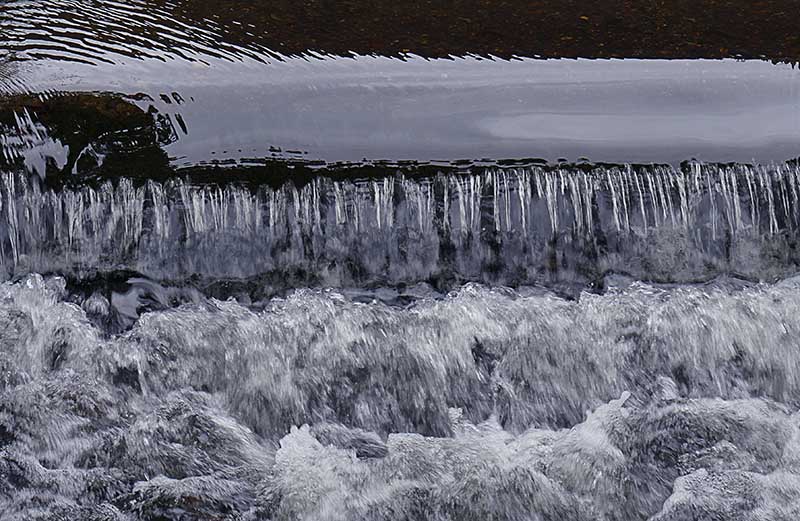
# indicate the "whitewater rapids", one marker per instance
pixel 646 402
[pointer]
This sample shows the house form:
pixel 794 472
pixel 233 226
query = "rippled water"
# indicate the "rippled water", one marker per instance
pixel 487 403
pixel 108 31
pixel 241 283
pixel 225 97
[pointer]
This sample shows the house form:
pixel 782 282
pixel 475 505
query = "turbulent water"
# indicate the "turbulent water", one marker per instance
pixel 353 349
pixel 487 404
pixel 242 284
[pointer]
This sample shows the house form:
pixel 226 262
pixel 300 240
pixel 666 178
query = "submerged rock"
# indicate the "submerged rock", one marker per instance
pixel 206 498
pixel 365 444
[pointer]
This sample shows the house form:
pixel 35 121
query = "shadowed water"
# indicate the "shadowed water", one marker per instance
pixel 77 29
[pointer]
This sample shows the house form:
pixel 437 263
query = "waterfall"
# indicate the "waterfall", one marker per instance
pixel 512 226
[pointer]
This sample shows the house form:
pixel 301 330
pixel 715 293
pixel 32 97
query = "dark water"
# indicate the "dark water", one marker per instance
pixel 572 28
pixel 248 277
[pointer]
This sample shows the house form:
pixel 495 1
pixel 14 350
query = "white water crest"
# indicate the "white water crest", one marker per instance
pixel 643 403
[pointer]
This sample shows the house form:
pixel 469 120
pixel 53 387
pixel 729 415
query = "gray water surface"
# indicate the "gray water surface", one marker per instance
pixel 351 109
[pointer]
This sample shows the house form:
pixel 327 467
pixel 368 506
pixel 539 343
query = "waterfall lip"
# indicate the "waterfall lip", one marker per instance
pixel 372 109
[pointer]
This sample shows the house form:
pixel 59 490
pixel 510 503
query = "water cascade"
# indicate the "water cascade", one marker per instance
pixel 514 226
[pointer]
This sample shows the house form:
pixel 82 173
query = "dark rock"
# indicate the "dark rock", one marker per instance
pixel 366 444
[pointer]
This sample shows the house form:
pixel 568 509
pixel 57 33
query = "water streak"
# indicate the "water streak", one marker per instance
pixel 510 226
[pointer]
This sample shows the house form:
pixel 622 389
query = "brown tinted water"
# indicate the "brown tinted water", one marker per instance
pixel 569 28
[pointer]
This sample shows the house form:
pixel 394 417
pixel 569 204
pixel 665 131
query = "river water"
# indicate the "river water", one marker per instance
pixel 245 283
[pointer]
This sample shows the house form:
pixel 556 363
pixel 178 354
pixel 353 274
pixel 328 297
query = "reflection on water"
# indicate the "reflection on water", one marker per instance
pixel 112 32
pixel 374 108
pixel 241 99
pixel 63 136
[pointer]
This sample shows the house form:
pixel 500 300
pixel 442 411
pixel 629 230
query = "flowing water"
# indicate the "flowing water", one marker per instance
pixel 241 283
